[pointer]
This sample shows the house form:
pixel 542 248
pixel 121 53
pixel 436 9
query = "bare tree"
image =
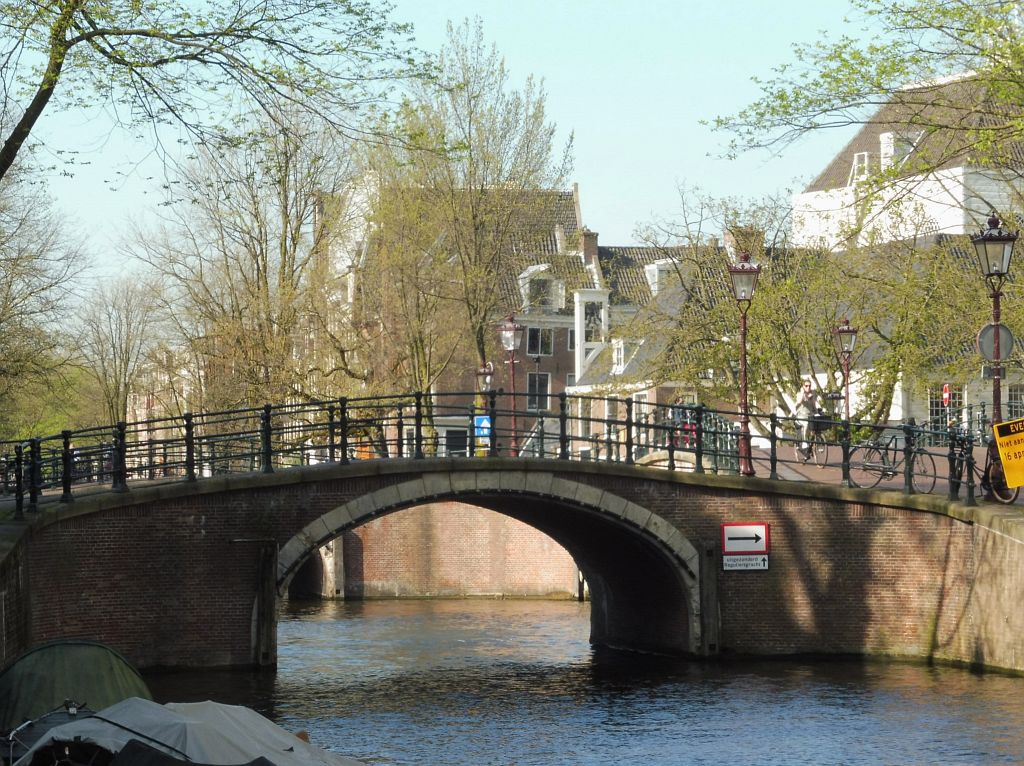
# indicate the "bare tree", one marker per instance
pixel 119 322
pixel 248 272
pixel 480 158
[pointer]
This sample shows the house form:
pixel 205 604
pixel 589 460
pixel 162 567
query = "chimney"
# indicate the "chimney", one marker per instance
pixel 589 247
pixel 743 239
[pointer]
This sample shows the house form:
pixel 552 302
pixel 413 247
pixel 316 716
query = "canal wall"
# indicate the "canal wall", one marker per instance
pixel 440 550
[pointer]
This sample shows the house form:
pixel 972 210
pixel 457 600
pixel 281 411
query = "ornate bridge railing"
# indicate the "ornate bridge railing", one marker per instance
pixel 464 424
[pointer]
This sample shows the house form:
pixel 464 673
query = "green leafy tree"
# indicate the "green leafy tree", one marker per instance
pixel 197 65
pixel 902 59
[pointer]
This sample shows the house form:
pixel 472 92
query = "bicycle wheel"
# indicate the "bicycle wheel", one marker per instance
pixel 922 476
pixel 997 485
pixel 819 450
pixel 866 467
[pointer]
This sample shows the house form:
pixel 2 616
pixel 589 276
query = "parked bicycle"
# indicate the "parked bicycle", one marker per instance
pixel 873 461
pixel 990 477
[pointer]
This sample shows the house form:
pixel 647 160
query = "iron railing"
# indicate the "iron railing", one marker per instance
pixel 471 425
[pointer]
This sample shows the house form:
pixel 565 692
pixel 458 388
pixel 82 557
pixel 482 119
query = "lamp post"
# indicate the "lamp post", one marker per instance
pixel 846 338
pixel 511 334
pixel 744 275
pixel 994 247
pixel 484 375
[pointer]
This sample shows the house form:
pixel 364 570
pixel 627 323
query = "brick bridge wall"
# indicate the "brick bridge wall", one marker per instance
pixel 184 575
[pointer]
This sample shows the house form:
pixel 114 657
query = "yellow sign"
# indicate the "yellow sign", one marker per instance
pixel 1010 441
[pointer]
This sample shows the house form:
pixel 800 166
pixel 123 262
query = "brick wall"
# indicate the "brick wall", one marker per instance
pixel 454 549
pixel 174 581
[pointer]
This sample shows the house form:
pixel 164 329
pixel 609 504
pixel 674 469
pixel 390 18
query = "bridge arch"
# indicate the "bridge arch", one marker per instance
pixel 643 573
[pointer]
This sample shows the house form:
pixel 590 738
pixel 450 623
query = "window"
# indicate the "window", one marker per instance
pixel 537 385
pixel 618 357
pixel 859 169
pixel 456 442
pixel 539 294
pixel 572 339
pixel 540 341
pixel 1015 402
pixel 592 322
pixel 938 413
pixel 570 380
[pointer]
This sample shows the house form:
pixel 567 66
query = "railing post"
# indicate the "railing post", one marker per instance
pixel 608 431
pixel 671 445
pixel 119 458
pixel 698 456
pixel 954 483
pixel 343 429
pixel 563 427
pixel 67 467
pixel 190 447
pixel 773 441
pixel 331 427
pixel 540 433
pixel 629 431
pixel 845 446
pixel 492 414
pixel 266 443
pixel 908 456
pixel 399 442
pixel 19 483
pixel 418 454
pixel 970 499
pixel 35 473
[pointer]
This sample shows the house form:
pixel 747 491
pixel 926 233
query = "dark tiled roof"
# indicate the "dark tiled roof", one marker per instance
pixel 943 120
pixel 624 273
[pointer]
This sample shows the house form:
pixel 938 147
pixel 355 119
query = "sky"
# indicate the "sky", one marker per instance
pixel 630 79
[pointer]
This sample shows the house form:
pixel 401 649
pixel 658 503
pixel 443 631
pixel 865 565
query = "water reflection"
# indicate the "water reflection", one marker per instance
pixel 499 682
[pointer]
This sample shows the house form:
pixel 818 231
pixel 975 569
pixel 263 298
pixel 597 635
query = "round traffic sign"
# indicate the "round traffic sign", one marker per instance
pixel 945 391
pixel 987 345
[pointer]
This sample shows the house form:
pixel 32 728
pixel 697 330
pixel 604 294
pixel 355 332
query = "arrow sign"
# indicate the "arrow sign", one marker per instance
pixel 745 538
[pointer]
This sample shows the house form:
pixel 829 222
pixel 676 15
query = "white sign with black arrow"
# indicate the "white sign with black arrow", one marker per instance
pixel 745 538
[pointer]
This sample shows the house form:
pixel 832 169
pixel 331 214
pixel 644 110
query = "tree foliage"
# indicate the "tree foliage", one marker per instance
pixel 902 58
pixel 195 64
pixel 38 268
pixel 247 269
pixel 479 151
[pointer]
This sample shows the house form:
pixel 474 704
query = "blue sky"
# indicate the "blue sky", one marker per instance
pixel 632 80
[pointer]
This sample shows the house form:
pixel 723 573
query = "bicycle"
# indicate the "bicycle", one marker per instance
pixel 817 444
pixel 991 478
pixel 873 461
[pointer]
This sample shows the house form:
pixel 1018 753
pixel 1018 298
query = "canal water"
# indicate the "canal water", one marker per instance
pixel 516 682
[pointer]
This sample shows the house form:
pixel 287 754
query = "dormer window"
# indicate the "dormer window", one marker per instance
pixel 618 356
pixel 541 292
pixel 659 274
pixel 894 148
pixel 859 169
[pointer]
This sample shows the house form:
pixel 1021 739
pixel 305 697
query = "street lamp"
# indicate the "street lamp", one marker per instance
pixel 846 338
pixel 994 247
pixel 511 334
pixel 484 375
pixel 744 275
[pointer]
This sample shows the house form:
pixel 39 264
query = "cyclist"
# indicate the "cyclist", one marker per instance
pixel 806 405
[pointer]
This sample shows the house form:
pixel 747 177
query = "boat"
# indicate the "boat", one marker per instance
pixel 58 682
pixel 139 732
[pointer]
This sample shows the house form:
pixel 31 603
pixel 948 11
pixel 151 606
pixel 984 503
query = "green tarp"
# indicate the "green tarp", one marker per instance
pixel 87 672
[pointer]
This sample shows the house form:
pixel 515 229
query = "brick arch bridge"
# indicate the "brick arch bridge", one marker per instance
pixel 188 574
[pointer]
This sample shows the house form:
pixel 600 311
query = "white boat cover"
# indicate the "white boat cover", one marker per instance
pixel 205 732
